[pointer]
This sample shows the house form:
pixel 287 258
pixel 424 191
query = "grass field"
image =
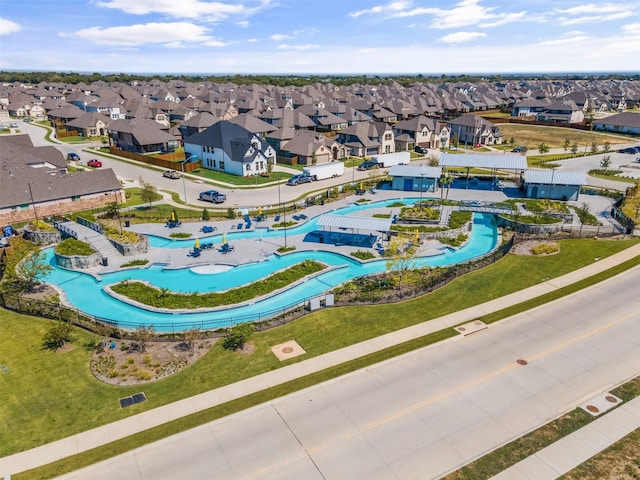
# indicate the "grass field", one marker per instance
pixel 533 135
pixel 47 395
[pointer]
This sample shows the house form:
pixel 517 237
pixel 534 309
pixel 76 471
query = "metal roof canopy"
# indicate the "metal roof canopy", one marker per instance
pixel 555 177
pixel 474 160
pixel 415 172
pixel 356 223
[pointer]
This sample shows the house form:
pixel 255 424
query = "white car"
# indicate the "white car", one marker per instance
pixel 171 174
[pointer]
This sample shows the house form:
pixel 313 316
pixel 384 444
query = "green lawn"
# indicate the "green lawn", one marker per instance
pixel 47 396
pixel 255 180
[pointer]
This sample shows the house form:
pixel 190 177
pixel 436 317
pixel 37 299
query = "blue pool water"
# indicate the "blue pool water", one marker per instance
pixel 85 292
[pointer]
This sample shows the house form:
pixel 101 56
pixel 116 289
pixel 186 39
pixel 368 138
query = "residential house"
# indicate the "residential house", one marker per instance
pixel 35 183
pixel 561 112
pixel 141 136
pixel 626 122
pixel 91 124
pixel 366 139
pixel 231 148
pixel 474 130
pixel 420 131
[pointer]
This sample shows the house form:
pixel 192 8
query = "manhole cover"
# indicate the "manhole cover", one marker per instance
pixel 593 408
pixel 520 361
pixel 287 350
pixel 478 322
pixel 611 399
pixel 462 329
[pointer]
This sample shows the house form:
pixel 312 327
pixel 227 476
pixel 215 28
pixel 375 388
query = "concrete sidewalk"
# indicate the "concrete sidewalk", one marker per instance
pixel 576 448
pixel 117 430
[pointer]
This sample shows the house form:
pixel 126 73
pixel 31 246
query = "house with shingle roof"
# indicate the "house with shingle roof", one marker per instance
pixel 420 131
pixel 626 122
pixel 472 130
pixel 365 139
pixel 91 124
pixel 34 182
pixel 231 148
pixel 141 136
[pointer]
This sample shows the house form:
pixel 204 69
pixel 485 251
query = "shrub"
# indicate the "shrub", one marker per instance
pixel 205 214
pixel 58 336
pixel 238 336
pixel 71 246
pixel 180 235
pixel 545 249
pixel 362 254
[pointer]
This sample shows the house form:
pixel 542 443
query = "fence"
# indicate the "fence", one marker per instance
pixel 523 121
pixel 262 321
pixel 157 161
pixel 96 227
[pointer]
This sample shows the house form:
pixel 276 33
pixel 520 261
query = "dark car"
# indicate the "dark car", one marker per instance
pixel 420 149
pixel 94 163
pixel 73 157
pixel 518 149
pixel 212 196
pixel 300 178
pixel 28 119
pixel 368 165
pixel 631 150
pixel 171 174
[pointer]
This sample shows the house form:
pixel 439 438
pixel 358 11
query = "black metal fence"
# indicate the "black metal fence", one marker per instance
pixel 262 321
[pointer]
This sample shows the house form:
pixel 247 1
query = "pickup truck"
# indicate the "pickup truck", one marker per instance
pixel 212 196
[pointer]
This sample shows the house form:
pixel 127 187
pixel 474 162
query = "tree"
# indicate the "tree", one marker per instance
pixel 238 336
pixel 314 159
pixel 23 266
pixel 58 336
pixel 512 141
pixel 574 149
pixel 231 213
pixel 401 260
pixel 605 163
pixel 205 214
pixel 433 161
pixel 269 165
pixel 455 140
pixel 543 148
pixel 148 192
pixel 112 210
pixel 594 147
pixel 143 335
pixel 607 146
pixel 566 144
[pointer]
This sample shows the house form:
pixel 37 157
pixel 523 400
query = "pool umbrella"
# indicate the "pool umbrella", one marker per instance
pixel 417 236
pixel 224 238
pixel 197 244
pixel 260 211
pixel 173 216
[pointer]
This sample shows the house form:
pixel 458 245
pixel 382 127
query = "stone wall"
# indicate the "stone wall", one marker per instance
pixel 129 249
pixel 78 262
pixel 41 237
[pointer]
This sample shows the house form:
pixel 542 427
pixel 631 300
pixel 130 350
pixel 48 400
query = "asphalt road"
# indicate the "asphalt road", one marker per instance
pixel 422 414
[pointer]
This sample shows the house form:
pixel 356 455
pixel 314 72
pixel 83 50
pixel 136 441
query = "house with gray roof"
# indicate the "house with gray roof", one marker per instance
pixel 626 122
pixel 91 124
pixel 473 130
pixel 231 148
pixel 141 136
pixel 420 131
pixel 34 181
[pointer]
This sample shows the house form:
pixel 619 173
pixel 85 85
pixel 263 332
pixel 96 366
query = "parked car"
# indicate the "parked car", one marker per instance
pixel 73 157
pixel 518 149
pixel 420 149
pixel 368 165
pixel 300 178
pixel 28 119
pixel 94 163
pixel 13 125
pixel 171 174
pixel 212 196
pixel 631 150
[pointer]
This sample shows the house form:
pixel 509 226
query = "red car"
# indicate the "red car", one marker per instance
pixel 94 163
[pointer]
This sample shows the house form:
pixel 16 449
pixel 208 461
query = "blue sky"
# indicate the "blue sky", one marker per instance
pixel 320 36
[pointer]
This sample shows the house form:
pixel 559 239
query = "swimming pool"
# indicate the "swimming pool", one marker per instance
pixel 86 292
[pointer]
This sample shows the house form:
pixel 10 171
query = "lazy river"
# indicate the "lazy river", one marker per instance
pixel 86 293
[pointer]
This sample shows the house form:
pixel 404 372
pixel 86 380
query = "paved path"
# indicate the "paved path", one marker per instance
pixel 120 429
pixel 569 452
pixel 420 415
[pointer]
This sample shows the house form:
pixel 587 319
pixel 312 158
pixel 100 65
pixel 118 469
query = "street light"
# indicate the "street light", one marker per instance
pixel 553 172
pixel 184 185
pixel 284 216
pixel 421 188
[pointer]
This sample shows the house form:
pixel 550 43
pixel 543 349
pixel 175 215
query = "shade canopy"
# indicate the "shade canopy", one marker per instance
pixel 355 223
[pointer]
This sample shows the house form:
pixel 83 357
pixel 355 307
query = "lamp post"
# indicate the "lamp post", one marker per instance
pixel 421 188
pixel 284 216
pixel 33 204
pixel 184 184
pixel 553 172
pixel 115 195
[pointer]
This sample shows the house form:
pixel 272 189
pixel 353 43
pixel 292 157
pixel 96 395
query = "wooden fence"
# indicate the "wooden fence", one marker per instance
pixel 157 161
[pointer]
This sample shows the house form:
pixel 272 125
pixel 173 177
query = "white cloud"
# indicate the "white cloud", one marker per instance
pixel 463 14
pixel 568 38
pixel 461 37
pixel 593 13
pixel 379 9
pixel 276 37
pixel 243 23
pixel 252 40
pixel 300 48
pixel 212 11
pixel 172 34
pixel 7 27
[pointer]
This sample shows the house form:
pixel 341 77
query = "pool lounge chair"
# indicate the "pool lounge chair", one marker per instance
pixel 276 219
pixel 239 226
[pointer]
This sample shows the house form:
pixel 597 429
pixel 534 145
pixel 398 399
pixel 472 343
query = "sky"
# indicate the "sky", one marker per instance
pixel 429 37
